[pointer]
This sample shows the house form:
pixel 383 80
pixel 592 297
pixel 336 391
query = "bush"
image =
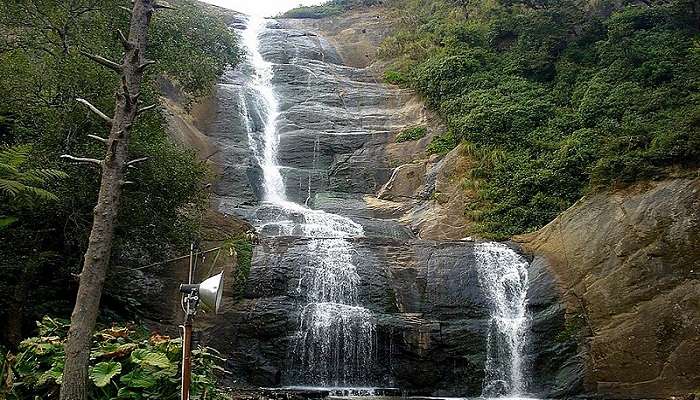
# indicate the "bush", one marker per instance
pixel 553 100
pixel 412 133
pixel 327 9
pixel 126 362
pixel 160 212
pixel 395 77
pixel 244 257
pixel 314 12
pixel 442 144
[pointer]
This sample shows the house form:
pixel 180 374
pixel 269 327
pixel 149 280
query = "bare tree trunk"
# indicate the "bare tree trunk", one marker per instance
pixel 99 249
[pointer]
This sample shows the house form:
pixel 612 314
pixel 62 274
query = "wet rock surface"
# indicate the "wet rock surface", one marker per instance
pixel 628 263
pixel 333 125
pixel 337 127
pixel 431 315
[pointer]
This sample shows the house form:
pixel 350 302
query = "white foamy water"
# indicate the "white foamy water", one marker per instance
pixel 334 343
pixel 268 107
pixel 503 276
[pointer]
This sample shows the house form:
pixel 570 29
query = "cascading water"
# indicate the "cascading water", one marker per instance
pixel 334 343
pixel 268 107
pixel 503 276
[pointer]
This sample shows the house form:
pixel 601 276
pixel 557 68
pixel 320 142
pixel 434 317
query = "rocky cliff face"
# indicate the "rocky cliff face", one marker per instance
pixel 628 264
pixel 431 314
pixel 625 263
pixel 337 129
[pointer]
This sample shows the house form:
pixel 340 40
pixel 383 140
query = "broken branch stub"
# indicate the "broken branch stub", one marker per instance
pixel 95 110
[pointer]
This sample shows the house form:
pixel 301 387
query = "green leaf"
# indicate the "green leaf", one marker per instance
pixel 103 372
pixel 159 360
pixel 11 188
pixel 138 355
pixel 145 357
pixel 126 393
pixel 139 378
pixel 54 374
pixel 15 156
pixel 6 221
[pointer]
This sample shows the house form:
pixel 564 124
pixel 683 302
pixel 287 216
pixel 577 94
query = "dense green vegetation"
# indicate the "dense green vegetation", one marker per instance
pixel 127 362
pixel 19 185
pixel 328 9
pixel 244 258
pixel 553 99
pixel 412 133
pixel 43 73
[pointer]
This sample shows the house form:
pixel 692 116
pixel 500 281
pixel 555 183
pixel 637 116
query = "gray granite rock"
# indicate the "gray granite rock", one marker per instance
pixel 334 127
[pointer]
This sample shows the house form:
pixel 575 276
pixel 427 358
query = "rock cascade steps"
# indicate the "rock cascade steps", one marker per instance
pixel 408 313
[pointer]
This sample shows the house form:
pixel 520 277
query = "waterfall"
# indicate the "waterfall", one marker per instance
pixel 334 343
pixel 268 106
pixel 503 277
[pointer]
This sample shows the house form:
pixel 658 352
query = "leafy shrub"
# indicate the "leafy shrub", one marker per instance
pixel 554 100
pixel 125 362
pixel 412 133
pixel 327 9
pixel 442 144
pixel 395 77
pixel 244 257
pixel 314 12
pixel 45 74
pixel 573 328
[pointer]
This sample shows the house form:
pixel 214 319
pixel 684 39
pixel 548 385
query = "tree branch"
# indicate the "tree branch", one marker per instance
pixel 99 138
pixel 125 42
pixel 81 159
pixel 162 5
pixel 146 64
pixel 95 110
pixel 138 160
pixel 103 61
pixel 147 108
pixel 127 95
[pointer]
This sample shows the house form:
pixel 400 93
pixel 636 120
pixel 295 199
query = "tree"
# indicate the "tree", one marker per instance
pixel 97 256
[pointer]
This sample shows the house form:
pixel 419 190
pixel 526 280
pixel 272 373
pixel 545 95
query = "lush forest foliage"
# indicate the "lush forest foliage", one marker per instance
pixel 553 99
pixel 328 9
pixel 127 362
pixel 46 203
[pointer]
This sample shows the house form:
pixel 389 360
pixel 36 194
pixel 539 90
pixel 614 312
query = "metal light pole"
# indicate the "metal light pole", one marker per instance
pixel 209 292
pixel 187 356
pixel 187 334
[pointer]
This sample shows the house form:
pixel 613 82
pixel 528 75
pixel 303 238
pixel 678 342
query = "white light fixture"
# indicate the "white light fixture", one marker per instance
pixel 209 292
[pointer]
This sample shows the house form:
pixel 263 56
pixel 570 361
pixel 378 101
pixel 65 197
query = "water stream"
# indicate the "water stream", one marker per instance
pixel 334 345
pixel 503 276
pixel 334 342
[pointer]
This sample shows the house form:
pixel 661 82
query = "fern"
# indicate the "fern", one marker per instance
pixel 5 222
pixel 40 194
pixel 17 182
pixel 15 156
pixel 10 187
